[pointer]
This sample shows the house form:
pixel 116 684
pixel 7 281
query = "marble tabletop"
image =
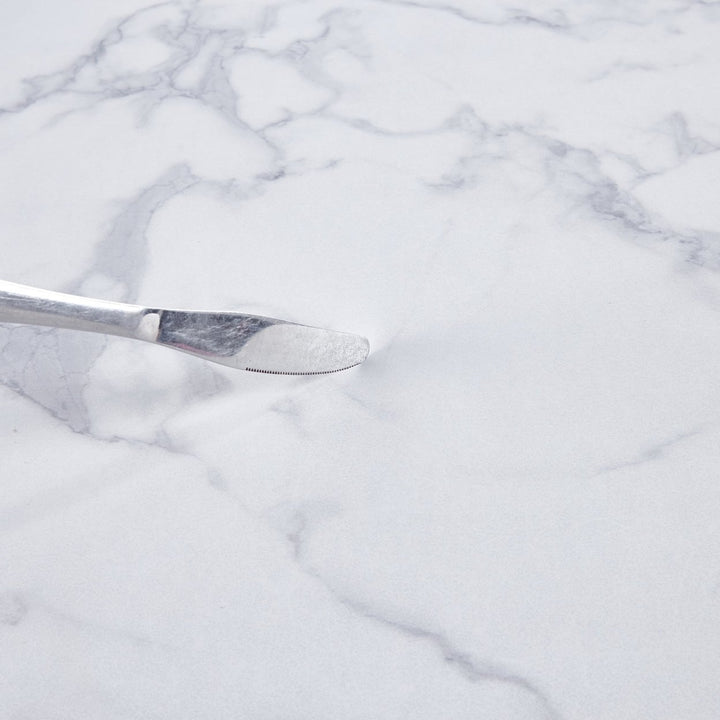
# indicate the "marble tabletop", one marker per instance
pixel 512 509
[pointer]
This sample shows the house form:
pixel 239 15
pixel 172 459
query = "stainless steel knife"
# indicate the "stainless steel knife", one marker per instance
pixel 247 342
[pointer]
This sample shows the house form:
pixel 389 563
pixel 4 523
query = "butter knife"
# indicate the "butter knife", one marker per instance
pixel 247 342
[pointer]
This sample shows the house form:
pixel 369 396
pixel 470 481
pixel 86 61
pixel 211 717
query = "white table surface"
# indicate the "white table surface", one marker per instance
pixel 512 509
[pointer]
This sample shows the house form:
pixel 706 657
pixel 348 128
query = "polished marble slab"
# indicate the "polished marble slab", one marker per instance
pixel 511 509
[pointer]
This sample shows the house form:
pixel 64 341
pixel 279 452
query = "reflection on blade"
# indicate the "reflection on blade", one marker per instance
pixel 301 350
pixel 260 344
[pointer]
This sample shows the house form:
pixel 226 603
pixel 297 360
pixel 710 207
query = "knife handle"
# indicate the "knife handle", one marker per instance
pixel 32 306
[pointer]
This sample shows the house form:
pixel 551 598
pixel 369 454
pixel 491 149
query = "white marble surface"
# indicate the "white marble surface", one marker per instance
pixel 512 510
